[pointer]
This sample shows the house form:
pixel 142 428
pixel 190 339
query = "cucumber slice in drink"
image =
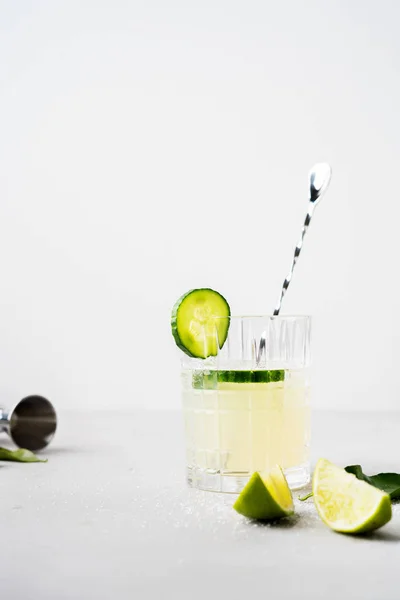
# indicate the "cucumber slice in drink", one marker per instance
pixel 211 379
pixel 195 324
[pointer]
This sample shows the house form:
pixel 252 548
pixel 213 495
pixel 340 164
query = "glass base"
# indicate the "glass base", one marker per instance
pixel 233 483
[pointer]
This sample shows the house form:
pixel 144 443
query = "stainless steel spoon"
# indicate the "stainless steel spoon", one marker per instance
pixel 319 178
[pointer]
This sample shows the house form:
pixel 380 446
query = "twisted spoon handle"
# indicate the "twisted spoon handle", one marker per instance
pixel 296 255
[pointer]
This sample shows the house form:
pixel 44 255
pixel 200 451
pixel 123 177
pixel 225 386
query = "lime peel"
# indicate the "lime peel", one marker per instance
pixel 347 504
pixel 265 497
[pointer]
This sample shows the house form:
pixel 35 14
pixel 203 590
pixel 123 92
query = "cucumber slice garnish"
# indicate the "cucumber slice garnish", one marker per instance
pixel 195 326
pixel 208 380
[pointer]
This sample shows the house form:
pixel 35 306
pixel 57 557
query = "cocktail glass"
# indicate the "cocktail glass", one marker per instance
pixel 248 408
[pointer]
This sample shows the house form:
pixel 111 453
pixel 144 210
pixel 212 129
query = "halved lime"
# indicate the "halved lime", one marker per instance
pixel 265 497
pixel 347 504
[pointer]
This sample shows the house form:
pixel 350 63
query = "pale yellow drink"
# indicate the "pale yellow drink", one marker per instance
pixel 234 429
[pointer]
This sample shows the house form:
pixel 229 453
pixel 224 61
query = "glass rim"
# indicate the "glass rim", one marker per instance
pixel 268 316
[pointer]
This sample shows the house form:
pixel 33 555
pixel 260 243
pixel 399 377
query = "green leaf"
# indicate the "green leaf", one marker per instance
pixel 20 455
pixel 387 482
pixel 358 472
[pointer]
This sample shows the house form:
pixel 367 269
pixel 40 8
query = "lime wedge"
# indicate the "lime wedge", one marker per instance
pixel 347 504
pixel 265 498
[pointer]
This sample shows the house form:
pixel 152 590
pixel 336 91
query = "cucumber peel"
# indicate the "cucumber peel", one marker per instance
pixel 200 322
pixel 210 379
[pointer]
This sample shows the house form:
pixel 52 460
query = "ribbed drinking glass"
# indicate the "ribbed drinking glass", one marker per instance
pixel 248 408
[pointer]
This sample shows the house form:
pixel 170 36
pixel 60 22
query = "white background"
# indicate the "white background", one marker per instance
pixel 148 147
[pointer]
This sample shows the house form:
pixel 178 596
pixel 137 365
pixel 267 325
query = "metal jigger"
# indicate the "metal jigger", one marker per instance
pixel 31 423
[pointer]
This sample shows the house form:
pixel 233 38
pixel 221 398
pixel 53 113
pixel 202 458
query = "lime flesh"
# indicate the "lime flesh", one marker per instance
pixel 345 503
pixel 265 497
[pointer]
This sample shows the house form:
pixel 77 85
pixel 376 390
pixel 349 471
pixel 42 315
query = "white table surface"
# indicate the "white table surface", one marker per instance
pixel 110 516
